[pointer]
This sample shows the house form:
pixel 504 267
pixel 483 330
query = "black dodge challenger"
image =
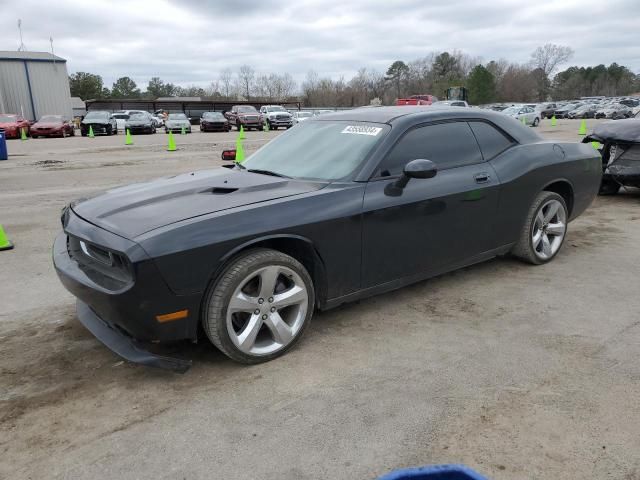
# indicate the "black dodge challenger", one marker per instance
pixel 341 207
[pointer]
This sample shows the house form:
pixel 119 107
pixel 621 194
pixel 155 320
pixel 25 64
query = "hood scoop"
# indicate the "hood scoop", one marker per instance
pixel 220 190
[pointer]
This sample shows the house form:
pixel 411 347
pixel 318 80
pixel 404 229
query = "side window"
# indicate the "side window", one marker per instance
pixel 491 140
pixel 448 145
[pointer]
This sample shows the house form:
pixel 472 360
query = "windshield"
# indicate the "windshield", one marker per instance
pixel 97 116
pixel 121 116
pixel 177 116
pixel 247 109
pixel 51 119
pixel 318 150
pixel 137 116
pixel 213 115
pixel 275 109
pixel 8 118
pixel 512 110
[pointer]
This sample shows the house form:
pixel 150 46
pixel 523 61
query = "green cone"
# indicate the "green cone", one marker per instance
pixel 595 145
pixel 128 140
pixel 524 122
pixel 553 121
pixel 91 135
pixel 172 143
pixel 5 244
pixel 239 151
pixel 183 131
pixel 266 126
pixel 242 136
pixel 583 127
pixel 23 134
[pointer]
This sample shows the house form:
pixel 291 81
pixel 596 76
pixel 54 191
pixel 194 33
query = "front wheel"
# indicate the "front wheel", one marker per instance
pixel 544 230
pixel 536 122
pixel 259 307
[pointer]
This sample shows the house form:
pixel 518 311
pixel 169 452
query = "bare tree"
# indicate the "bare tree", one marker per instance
pixel 548 57
pixel 246 75
pixel 226 79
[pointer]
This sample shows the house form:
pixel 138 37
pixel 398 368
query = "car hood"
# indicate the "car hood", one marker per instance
pixel 136 209
pixel 279 113
pixel 138 122
pixel 46 125
pixel 617 131
pixel 8 124
pixel 178 122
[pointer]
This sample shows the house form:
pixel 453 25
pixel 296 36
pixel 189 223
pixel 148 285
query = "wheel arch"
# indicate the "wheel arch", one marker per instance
pixel 296 246
pixel 564 188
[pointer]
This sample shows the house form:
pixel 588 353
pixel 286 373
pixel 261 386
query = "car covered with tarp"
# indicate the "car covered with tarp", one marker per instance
pixel 620 154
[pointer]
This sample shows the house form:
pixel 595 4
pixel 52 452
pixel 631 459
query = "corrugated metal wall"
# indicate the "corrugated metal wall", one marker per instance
pixel 15 93
pixel 49 88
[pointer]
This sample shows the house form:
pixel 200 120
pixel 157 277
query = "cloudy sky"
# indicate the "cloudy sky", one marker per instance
pixel 189 41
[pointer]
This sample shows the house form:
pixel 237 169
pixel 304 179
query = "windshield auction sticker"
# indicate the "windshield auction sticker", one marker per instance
pixel 362 130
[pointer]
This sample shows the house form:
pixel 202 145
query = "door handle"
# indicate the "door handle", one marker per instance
pixel 482 177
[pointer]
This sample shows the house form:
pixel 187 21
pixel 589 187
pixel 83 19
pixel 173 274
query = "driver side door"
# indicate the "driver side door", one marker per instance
pixel 435 223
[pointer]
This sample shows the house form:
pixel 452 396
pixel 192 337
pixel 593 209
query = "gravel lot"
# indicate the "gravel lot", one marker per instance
pixel 517 371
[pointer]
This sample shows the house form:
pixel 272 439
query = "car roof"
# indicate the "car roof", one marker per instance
pixel 407 116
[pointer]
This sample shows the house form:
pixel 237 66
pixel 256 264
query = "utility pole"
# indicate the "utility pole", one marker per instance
pixel 22 47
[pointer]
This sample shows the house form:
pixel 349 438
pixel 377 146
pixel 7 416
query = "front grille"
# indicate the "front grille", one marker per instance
pixel 108 269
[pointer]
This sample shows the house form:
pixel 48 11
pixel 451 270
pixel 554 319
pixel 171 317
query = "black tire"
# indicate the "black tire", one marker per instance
pixel 109 130
pixel 84 134
pixel 609 187
pixel 220 292
pixel 524 249
pixel 536 122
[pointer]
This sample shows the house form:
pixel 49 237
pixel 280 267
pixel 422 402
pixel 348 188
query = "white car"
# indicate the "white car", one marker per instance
pixel 301 116
pixel 519 112
pixel 450 103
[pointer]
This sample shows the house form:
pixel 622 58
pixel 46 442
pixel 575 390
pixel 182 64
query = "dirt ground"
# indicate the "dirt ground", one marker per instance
pixel 517 371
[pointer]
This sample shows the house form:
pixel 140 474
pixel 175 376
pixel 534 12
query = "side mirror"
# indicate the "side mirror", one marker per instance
pixel 229 155
pixel 419 168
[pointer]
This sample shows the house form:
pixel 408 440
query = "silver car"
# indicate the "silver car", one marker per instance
pixel 176 122
pixel 301 116
pixel 530 116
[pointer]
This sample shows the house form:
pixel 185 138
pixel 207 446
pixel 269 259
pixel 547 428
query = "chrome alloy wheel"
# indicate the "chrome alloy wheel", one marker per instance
pixel 549 228
pixel 267 310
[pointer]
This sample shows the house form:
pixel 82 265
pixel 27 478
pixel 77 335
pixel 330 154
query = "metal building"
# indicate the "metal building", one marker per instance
pixel 34 84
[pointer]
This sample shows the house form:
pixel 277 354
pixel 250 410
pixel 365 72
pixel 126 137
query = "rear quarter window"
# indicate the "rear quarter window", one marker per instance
pixel 491 140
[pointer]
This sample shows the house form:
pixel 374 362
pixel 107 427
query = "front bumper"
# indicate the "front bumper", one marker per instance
pixel 140 128
pixel 126 346
pixel 98 128
pixel 214 127
pixel 178 129
pixel 47 133
pixel 128 310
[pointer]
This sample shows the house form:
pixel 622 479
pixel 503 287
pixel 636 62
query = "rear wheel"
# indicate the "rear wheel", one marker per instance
pixel 544 230
pixel 259 307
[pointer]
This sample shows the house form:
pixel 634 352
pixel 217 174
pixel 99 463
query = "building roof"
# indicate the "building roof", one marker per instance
pixel 178 99
pixel 35 56
pixel 77 103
